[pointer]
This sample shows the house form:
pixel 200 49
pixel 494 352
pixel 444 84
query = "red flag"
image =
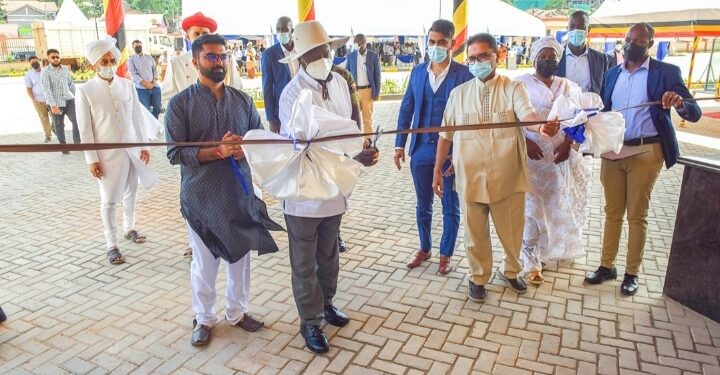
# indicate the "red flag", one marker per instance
pixel 115 25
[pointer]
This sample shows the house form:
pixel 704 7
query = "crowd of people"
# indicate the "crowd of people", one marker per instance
pixel 529 180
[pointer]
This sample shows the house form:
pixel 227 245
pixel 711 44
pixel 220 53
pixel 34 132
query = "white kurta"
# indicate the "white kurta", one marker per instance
pixel 181 73
pixel 110 112
pixel 555 207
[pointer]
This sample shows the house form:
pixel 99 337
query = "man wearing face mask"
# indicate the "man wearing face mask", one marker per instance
pixel 422 106
pixel 313 225
pixel 276 75
pixel 33 84
pixel 364 65
pixel 109 111
pixel 580 63
pixel 491 165
pixel 628 183
pixel 180 72
pixel 224 221
pixel 556 203
pixel 143 71
pixel 615 57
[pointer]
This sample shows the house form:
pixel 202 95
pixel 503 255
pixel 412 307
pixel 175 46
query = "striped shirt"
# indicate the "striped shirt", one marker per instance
pixel 142 68
pixel 58 85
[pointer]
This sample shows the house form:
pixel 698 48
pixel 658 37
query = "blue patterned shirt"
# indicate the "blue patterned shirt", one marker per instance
pixel 58 85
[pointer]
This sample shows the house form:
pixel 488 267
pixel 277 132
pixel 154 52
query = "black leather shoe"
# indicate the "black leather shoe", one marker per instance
pixel 341 245
pixel 476 292
pixel 600 275
pixel 629 285
pixel 335 317
pixel 3 317
pixel 200 334
pixel 517 284
pixel 315 339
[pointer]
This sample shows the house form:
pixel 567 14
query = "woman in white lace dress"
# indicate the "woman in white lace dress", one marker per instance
pixel 555 208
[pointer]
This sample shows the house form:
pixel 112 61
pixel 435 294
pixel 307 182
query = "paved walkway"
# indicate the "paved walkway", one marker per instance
pixel 71 312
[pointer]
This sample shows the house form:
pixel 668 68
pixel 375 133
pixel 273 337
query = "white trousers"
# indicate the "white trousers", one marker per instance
pixel 107 211
pixel 203 274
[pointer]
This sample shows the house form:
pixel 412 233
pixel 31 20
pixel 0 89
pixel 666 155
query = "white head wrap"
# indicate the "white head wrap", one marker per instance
pixel 546 42
pixel 96 49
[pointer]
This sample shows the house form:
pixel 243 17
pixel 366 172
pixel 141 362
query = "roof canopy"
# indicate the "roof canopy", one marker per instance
pixel 670 18
pixel 369 17
pixel 70 13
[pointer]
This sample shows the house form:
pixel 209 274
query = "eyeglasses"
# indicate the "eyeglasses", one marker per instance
pixel 479 57
pixel 214 57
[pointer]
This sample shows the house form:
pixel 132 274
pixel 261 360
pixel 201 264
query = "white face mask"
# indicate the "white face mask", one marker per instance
pixel 319 69
pixel 107 72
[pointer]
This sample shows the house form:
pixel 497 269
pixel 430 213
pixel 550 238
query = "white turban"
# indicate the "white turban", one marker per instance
pixel 96 49
pixel 546 42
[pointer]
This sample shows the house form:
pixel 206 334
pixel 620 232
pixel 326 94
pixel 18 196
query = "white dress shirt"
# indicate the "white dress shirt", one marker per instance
pixel 294 65
pixel 577 69
pixel 436 81
pixel 362 78
pixel 338 103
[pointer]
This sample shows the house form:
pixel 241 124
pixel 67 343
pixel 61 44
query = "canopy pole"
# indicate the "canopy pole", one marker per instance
pixel 696 42
pixel 460 19
pixel 306 10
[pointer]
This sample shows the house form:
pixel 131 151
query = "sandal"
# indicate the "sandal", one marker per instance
pixel 135 237
pixel 114 256
pixel 535 277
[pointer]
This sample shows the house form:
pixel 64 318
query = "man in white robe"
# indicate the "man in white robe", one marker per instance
pixel 109 111
pixel 180 71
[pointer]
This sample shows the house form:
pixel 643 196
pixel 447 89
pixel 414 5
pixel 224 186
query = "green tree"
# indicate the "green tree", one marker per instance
pixel 3 15
pixel 557 4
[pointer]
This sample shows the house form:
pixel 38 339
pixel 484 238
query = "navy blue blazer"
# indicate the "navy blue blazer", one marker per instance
pixel 275 76
pixel 598 69
pixel 372 66
pixel 411 106
pixel 662 77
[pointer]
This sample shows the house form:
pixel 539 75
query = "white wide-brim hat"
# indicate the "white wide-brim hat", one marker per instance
pixel 308 35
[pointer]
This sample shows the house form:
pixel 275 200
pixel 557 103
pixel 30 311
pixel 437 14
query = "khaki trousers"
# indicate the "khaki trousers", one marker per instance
pixel 628 184
pixel 508 215
pixel 366 107
pixel 44 114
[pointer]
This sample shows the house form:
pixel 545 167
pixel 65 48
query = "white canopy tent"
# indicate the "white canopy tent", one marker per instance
pixel 369 17
pixel 70 13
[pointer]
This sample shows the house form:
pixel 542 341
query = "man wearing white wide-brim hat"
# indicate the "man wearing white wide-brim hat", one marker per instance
pixel 313 225
pixel 108 111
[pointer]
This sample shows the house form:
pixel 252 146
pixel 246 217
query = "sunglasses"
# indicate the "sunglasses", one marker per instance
pixel 214 57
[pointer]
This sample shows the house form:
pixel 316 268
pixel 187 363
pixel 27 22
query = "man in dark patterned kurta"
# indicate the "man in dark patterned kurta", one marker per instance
pixel 224 217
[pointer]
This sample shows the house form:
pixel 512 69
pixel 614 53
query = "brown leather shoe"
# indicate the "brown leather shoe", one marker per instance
pixel 445 265
pixel 249 324
pixel 420 257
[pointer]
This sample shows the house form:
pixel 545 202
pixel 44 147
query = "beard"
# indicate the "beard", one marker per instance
pixel 216 74
pixel 55 64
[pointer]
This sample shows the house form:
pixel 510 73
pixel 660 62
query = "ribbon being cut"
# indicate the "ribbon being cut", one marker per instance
pixel 304 169
pixel 596 132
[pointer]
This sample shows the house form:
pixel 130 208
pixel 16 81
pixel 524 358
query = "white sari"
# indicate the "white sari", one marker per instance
pixel 555 208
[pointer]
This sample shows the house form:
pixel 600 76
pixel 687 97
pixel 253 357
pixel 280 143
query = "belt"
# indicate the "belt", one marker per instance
pixel 364 87
pixel 642 141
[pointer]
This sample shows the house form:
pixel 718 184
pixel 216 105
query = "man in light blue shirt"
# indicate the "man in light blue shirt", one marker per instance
pixel 144 74
pixel 34 88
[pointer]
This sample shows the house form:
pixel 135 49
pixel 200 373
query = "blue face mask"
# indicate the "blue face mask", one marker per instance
pixel 283 38
pixel 577 37
pixel 481 70
pixel 437 54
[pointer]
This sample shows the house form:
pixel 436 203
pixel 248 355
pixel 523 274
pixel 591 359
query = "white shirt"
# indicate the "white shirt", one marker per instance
pixel 577 69
pixel 436 81
pixel 362 78
pixel 32 81
pixel 340 104
pixel 294 65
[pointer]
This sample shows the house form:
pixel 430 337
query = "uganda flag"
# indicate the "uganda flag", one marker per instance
pixel 115 25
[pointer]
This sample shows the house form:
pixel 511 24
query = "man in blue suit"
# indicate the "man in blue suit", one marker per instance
pixel 580 63
pixel 628 182
pixel 276 75
pixel 423 106
pixel 364 65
